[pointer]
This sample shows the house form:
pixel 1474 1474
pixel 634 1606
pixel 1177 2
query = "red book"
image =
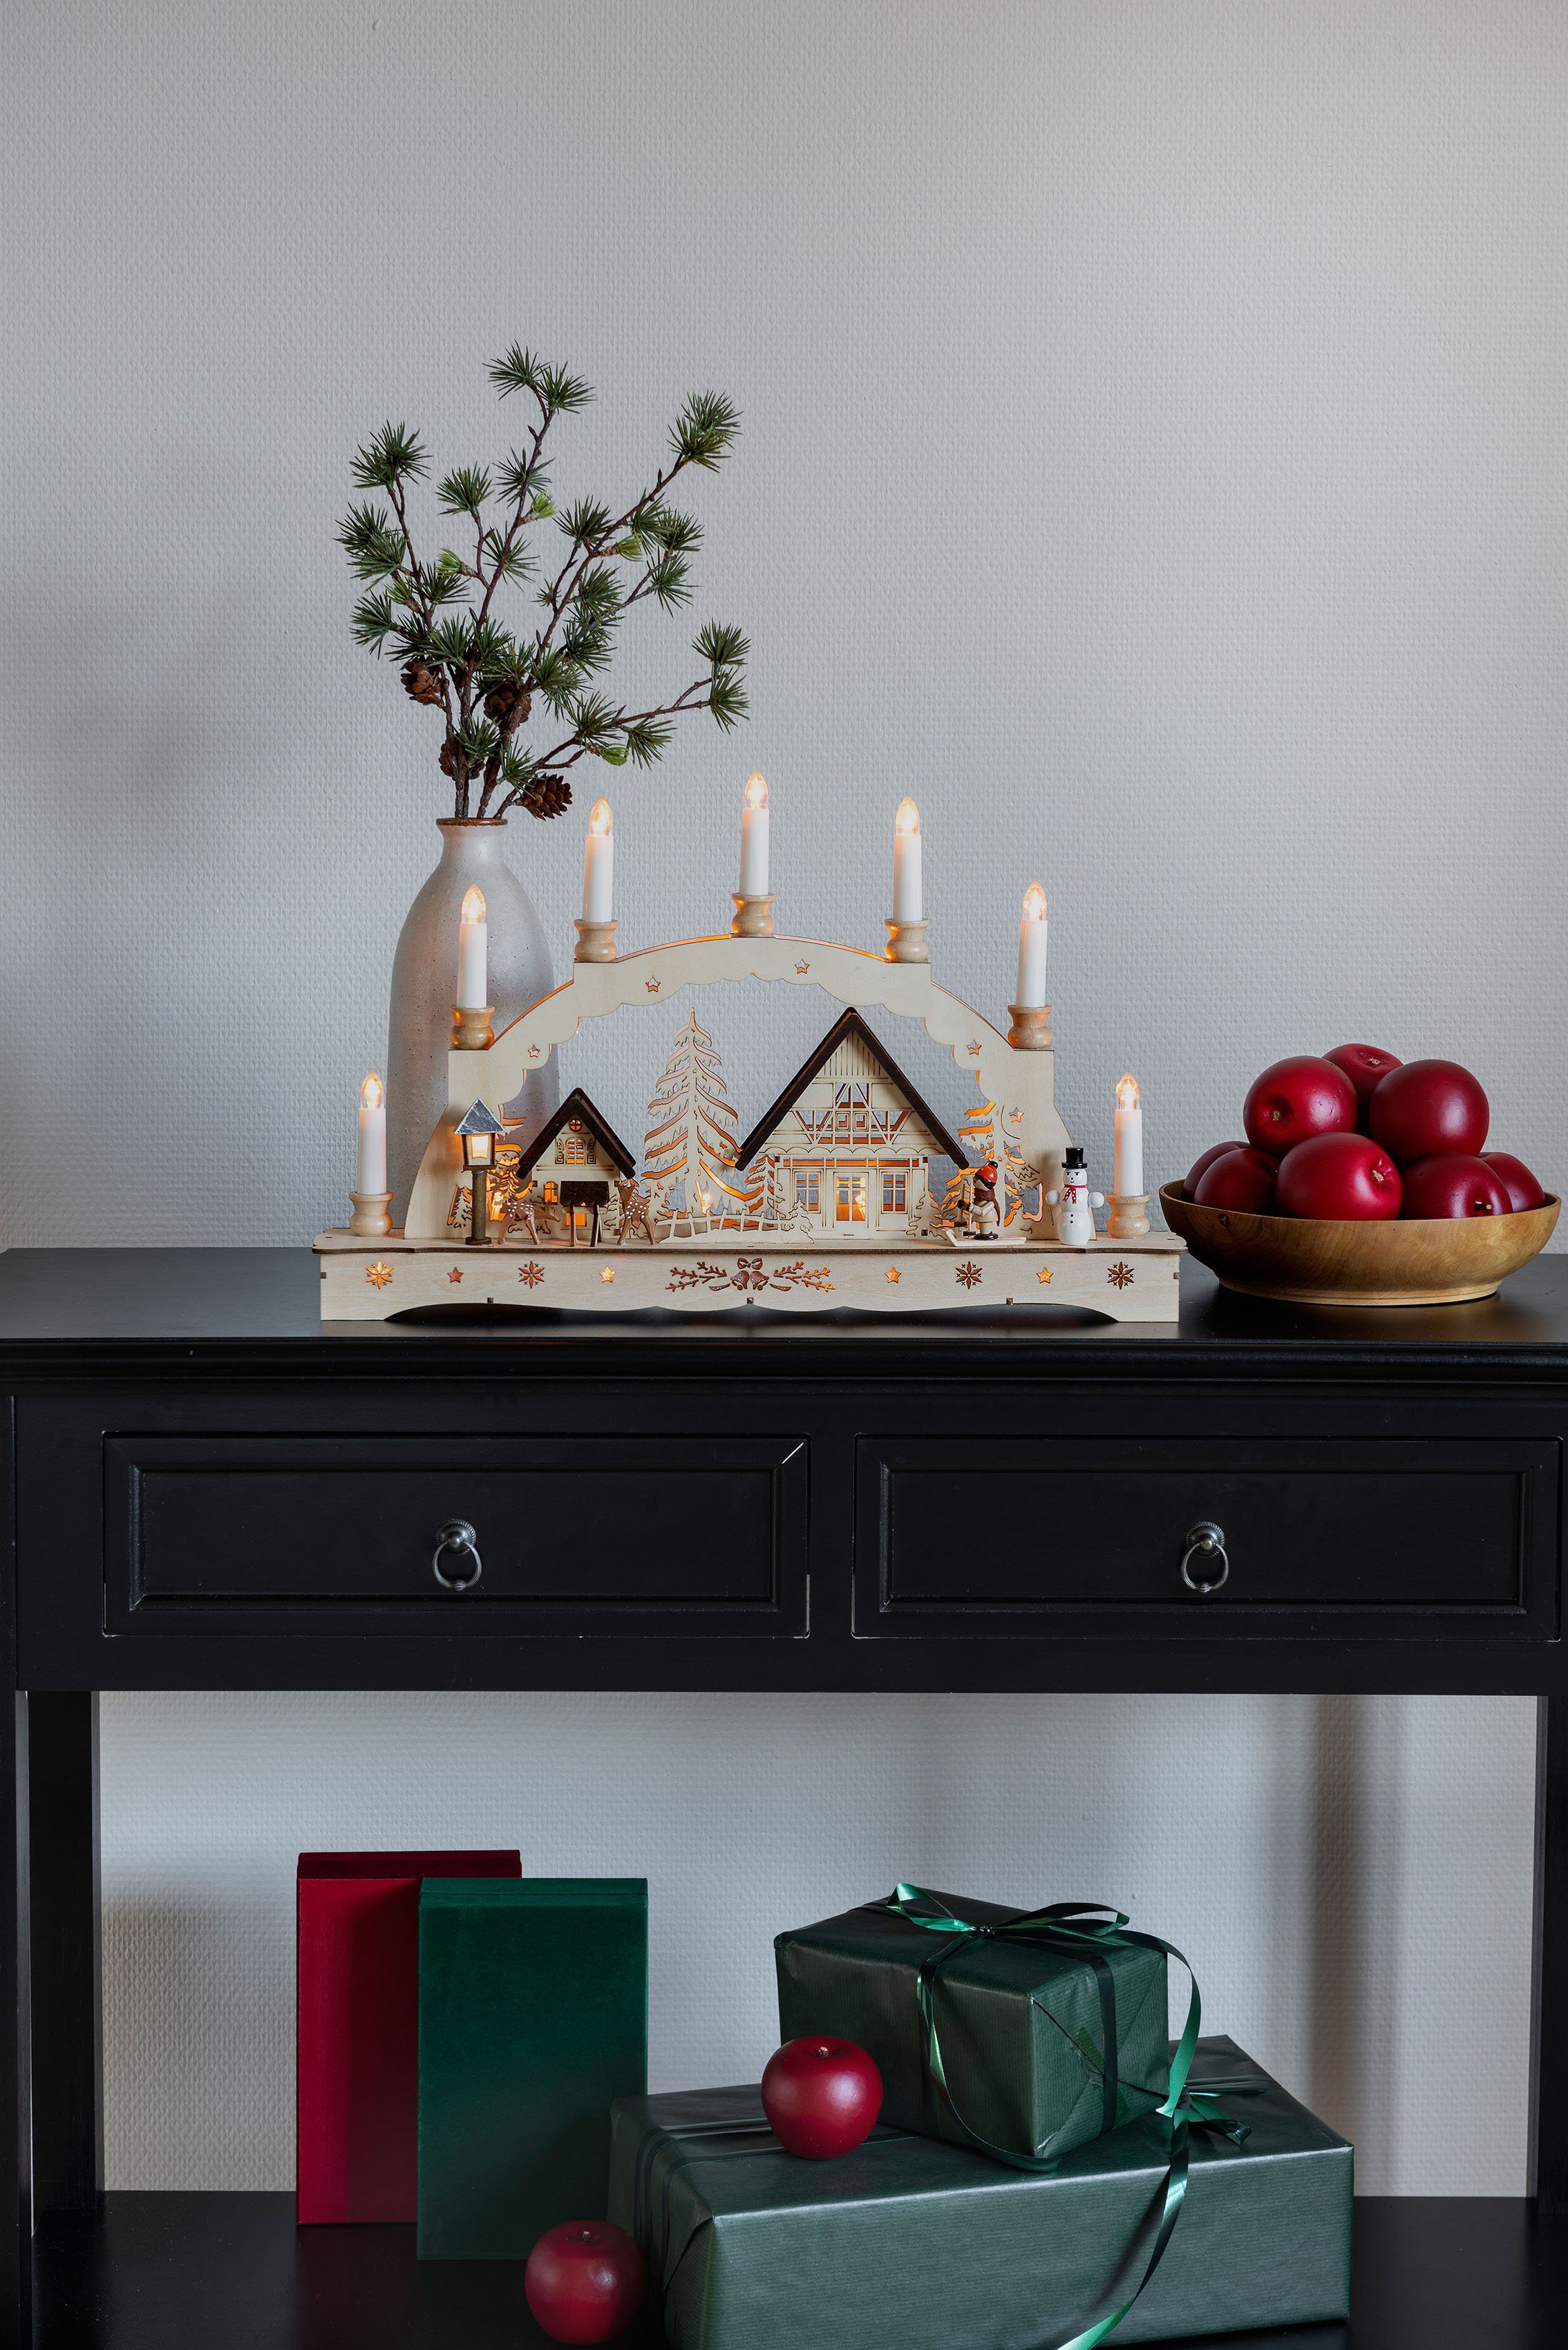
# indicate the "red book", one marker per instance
pixel 358 2078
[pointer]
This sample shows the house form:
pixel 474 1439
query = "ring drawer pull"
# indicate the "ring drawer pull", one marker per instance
pixel 457 1535
pixel 1205 1544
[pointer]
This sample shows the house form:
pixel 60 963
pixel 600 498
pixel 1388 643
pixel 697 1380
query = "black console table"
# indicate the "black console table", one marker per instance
pixel 206 1490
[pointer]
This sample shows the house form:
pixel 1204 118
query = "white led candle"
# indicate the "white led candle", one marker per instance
pixel 906 892
pixel 754 840
pixel 372 1136
pixel 1127 1178
pixel 599 865
pixel 472 953
pixel 1032 949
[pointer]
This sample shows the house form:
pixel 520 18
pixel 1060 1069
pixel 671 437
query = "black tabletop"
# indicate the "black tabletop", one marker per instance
pixel 104 1303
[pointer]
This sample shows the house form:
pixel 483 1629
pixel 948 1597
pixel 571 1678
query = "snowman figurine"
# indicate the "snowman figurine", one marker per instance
pixel 1074 1204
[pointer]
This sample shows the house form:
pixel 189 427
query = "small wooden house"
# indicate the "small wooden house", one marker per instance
pixel 846 1148
pixel 574 1158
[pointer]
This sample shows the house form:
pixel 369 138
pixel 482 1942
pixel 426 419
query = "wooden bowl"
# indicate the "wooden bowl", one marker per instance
pixel 1428 1260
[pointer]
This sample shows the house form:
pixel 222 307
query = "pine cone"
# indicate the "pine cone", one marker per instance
pixel 508 705
pixel 547 796
pixel 420 682
pixel 449 758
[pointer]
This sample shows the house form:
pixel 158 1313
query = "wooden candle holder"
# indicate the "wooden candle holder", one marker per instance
pixel 1126 1215
pixel 754 917
pixel 370 1220
pixel 470 1030
pixel 1031 1029
pixel 907 942
pixel 595 941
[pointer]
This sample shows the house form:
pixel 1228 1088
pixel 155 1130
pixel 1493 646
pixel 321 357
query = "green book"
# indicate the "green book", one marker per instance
pixel 532 2019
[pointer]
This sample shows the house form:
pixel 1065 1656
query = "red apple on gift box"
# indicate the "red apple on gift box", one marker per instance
pixel 1201 1167
pixel 1242 1179
pixel 821 2095
pixel 1524 1191
pixel 1366 1065
pixel 1455 1183
pixel 1425 1107
pixel 585 2281
pixel 1296 1098
pixel 1344 1176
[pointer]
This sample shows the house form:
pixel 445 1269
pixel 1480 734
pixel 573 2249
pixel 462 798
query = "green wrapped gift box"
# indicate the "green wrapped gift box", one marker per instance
pixel 1020 2026
pixel 912 2244
pixel 533 2017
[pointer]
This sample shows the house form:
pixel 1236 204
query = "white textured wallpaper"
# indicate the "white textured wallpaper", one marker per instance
pixel 1154 460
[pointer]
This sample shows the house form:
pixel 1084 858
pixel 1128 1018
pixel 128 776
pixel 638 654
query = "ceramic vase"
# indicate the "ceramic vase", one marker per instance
pixel 424 986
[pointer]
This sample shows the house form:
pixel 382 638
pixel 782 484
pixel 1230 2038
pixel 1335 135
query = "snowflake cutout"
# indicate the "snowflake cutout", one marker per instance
pixel 456 1273
pixel 1043 1276
pixel 968 1273
pixel 894 1274
pixel 1119 1272
pixel 653 985
pixel 532 1274
pixel 379 1272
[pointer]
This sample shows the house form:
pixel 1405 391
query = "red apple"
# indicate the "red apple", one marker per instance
pixel 1201 1167
pixel 1295 1100
pixel 1364 1065
pixel 1244 1178
pixel 1344 1176
pixel 585 2281
pixel 1425 1107
pixel 1454 1183
pixel 1516 1179
pixel 821 2095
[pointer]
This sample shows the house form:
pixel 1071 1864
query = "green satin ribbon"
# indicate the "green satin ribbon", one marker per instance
pixel 1089 1929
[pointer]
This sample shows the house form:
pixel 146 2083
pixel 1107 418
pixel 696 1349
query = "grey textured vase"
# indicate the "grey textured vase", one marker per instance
pixel 424 983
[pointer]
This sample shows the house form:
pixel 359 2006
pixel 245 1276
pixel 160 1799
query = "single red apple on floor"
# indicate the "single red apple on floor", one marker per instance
pixel 1425 1107
pixel 1296 1098
pixel 1244 1178
pixel 821 2095
pixel 1201 1167
pixel 1516 1179
pixel 585 2281
pixel 1345 1176
pixel 1454 1183
pixel 1364 1065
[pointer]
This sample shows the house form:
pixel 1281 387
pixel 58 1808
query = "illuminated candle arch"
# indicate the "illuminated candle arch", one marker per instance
pixel 1023 1082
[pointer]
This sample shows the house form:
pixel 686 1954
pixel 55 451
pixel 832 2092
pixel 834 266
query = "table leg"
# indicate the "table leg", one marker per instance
pixel 1549 1988
pixel 66 1965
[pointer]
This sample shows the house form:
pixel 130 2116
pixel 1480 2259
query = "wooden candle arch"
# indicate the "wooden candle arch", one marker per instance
pixel 1126 1280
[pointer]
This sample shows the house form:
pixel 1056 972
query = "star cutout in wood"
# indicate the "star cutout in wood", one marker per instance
pixel 894 1274
pixel 1044 1275
pixel 456 1273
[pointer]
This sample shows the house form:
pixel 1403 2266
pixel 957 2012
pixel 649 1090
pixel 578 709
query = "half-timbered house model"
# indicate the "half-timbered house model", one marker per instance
pixel 849 1143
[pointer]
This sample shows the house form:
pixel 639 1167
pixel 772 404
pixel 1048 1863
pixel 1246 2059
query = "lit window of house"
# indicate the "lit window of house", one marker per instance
pixel 851 1199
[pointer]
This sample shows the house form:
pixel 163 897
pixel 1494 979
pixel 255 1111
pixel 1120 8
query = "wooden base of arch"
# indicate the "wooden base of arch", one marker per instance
pixel 716 1273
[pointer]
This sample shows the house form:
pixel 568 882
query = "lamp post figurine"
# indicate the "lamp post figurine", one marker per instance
pixel 477 1131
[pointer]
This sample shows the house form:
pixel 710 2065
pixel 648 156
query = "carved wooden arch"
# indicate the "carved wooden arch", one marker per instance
pixel 1024 1083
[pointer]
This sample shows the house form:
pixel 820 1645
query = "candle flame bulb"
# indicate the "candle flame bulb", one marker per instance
pixel 1034 903
pixel 907 819
pixel 472 906
pixel 373 1093
pixel 757 791
pixel 601 820
pixel 1127 1094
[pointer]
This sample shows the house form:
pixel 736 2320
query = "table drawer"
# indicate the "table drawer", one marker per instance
pixel 572 1534
pixel 963 1534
